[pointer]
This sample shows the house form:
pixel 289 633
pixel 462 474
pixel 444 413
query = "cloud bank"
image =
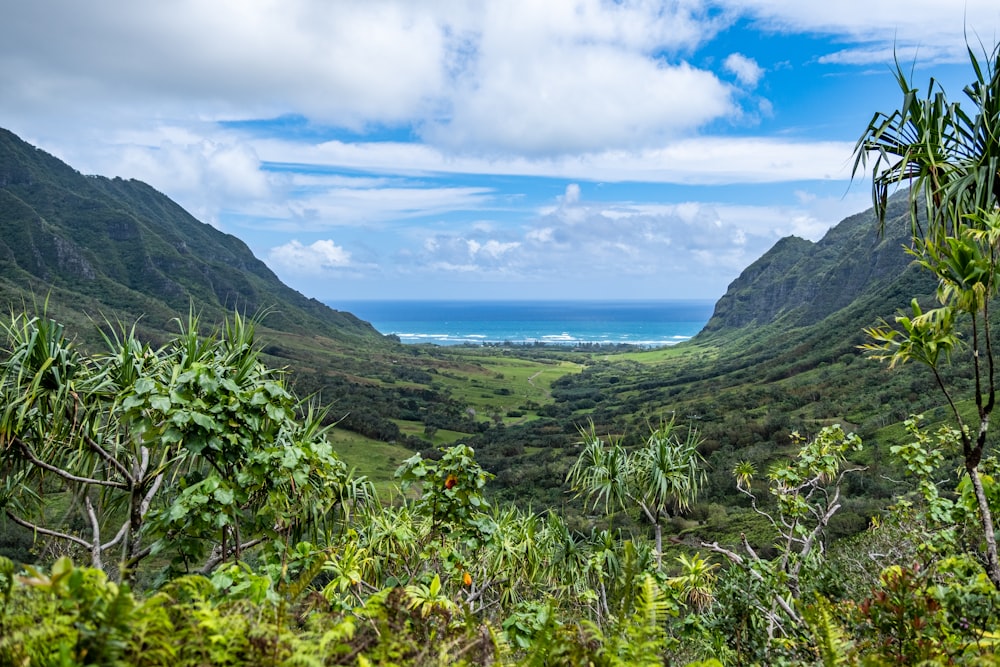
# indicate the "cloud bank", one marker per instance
pixel 396 145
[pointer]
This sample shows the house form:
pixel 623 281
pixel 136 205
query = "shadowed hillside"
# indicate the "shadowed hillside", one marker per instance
pixel 118 248
pixel 798 283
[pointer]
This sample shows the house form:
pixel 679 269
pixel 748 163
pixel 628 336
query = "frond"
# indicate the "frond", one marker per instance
pixel 831 641
pixel 670 471
pixel 601 472
pixel 652 604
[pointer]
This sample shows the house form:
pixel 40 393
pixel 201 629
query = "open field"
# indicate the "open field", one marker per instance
pixel 495 386
pixel 376 460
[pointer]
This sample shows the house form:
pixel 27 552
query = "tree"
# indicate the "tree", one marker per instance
pixel 102 435
pixel 59 433
pixel 661 478
pixel 806 492
pixel 950 156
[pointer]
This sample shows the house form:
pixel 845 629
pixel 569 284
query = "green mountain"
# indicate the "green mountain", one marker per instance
pixel 780 355
pixel 99 247
pixel 852 271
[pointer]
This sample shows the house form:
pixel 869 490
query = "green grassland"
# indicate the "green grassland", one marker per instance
pixel 375 460
pixel 497 385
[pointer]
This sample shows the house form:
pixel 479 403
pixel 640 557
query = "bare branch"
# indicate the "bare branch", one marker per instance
pixel 117 538
pixel 115 463
pixel 758 510
pixel 148 498
pixel 746 545
pixel 218 556
pixel 95 529
pixel 138 557
pixel 736 558
pixel 64 474
pixel 731 555
pixel 45 531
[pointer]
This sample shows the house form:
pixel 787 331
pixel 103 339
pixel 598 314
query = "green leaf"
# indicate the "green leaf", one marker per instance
pixel 224 495
pixel 160 403
pixel 203 421
pixel 276 412
pixel 143 385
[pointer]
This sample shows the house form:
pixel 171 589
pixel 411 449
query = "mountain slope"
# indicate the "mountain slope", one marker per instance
pixel 114 247
pixel 780 354
pixel 798 283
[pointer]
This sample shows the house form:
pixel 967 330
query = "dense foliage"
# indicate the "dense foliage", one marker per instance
pixel 239 537
pixel 950 156
pixel 179 505
pixel 193 451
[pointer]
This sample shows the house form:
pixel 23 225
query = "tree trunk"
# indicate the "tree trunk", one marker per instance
pixel 96 560
pixel 658 531
pixel 986 518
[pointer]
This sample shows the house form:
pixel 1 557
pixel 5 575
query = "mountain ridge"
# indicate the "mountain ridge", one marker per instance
pixel 798 283
pixel 120 248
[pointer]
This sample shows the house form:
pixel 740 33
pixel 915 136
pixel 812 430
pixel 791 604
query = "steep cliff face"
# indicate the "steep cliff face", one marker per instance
pixel 118 247
pixel 764 289
pixel 799 283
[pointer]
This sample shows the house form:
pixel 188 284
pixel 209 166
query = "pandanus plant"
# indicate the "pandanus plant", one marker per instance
pixel 949 155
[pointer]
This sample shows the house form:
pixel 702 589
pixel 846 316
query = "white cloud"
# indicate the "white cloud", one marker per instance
pixel 540 235
pixel 932 30
pixel 702 160
pixel 313 259
pixel 423 124
pixel 462 250
pixel 496 248
pixel 316 203
pixel 317 57
pixel 578 243
pixel 200 173
pixel 449 267
pixel 558 100
pixel 687 248
pixel 572 195
pixel 501 76
pixel 746 70
pixel 574 76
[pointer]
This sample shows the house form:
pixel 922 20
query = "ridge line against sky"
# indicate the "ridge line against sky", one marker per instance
pixel 484 150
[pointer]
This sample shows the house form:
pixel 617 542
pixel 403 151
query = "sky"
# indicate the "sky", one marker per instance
pixel 495 149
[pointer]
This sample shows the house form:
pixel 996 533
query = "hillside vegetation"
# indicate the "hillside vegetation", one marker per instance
pixel 187 491
pixel 112 248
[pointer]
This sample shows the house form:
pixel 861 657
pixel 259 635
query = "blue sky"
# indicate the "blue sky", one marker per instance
pixel 483 150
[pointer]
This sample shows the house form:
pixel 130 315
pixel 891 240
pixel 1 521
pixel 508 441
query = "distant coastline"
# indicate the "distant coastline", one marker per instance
pixel 641 323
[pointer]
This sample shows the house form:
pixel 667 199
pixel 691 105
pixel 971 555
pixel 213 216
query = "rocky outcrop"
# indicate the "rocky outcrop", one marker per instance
pixel 798 282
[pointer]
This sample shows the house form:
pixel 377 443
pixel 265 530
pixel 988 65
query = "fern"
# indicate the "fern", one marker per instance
pixel 294 589
pixel 831 642
pixel 153 637
pixel 653 607
pixel 644 638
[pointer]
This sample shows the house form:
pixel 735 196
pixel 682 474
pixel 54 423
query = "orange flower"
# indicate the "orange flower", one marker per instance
pixel 467 579
pixel 450 481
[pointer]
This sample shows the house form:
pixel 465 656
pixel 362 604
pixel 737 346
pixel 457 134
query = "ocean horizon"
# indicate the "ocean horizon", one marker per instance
pixel 643 323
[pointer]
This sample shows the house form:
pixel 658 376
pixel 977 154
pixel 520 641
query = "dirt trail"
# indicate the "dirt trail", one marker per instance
pixel 531 381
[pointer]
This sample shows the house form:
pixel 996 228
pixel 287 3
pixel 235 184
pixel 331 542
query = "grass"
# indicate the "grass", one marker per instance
pixel 493 383
pixel 374 459
pixel 686 350
pixel 442 437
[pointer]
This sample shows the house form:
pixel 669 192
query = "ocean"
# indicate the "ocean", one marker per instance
pixel 640 323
